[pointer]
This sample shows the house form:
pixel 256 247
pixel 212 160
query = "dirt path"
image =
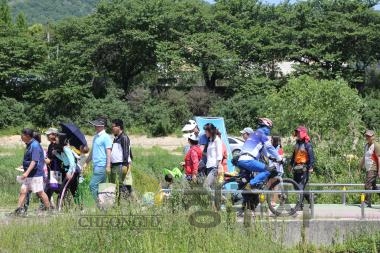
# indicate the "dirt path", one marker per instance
pixel 169 142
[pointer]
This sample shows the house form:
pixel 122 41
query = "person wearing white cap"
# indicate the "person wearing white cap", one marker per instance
pixel 246 132
pixel 192 158
pixel 53 163
pixel 192 127
pixel 370 162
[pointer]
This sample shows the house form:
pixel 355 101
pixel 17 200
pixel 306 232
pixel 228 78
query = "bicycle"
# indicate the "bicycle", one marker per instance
pixel 288 203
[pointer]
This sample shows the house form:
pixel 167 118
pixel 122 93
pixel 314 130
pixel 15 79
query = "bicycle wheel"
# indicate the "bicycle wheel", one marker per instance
pixel 284 203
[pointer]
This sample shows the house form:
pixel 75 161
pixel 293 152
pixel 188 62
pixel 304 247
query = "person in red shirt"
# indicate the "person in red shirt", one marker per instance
pixel 192 158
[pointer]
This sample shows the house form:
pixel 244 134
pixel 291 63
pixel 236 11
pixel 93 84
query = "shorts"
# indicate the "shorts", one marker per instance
pixel 34 184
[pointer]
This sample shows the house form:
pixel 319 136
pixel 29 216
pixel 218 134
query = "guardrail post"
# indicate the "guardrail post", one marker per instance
pixel 262 200
pixel 362 204
pixel 344 196
pixel 312 205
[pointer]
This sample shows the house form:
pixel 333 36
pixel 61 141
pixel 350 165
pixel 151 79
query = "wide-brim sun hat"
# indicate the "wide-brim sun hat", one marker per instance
pixel 51 130
pixel 369 133
pixel 190 125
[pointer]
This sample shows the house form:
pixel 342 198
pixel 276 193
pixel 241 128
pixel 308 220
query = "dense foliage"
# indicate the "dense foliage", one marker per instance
pixel 157 63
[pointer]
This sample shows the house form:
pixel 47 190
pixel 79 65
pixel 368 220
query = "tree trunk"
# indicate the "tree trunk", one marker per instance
pixel 210 81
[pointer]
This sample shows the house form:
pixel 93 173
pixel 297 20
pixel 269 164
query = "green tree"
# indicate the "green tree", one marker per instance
pixel 5 13
pixel 21 60
pixel 21 21
pixel 336 38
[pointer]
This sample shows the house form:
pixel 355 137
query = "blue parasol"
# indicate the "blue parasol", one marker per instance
pixel 76 137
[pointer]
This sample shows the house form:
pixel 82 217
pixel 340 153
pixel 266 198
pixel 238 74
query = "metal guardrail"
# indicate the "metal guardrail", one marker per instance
pixel 344 195
pixel 344 192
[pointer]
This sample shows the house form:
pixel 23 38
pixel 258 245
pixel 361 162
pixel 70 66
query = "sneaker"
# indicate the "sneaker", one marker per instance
pixel 367 204
pixel 18 212
pixel 240 213
pixel 271 168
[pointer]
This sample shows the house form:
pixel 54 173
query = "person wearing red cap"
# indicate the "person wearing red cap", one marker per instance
pixel 370 162
pixel 302 161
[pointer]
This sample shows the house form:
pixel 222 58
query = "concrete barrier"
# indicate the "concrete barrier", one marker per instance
pixel 316 232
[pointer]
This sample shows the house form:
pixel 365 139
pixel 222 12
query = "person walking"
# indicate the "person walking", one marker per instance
pixel 121 159
pixel 70 170
pixel 33 165
pixel 214 166
pixel 54 165
pixel 302 161
pixel 192 127
pixel 370 162
pixel 100 156
pixel 192 159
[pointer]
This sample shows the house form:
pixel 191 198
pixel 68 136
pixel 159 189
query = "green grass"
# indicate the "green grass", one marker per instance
pixel 147 172
pixel 10 159
pixel 175 234
pixel 60 232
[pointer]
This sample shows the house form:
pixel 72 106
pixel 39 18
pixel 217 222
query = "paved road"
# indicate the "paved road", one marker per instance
pixel 323 212
pixel 331 211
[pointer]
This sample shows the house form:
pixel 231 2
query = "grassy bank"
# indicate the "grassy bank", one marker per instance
pixel 173 233
pixel 147 172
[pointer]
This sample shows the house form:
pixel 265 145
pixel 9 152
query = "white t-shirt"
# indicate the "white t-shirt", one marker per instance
pixel 369 151
pixel 214 152
pixel 116 153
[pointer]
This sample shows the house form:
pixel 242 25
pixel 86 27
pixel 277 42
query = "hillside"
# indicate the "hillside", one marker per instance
pixel 42 11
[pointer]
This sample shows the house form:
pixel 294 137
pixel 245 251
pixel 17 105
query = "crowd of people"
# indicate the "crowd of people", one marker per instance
pixel 205 158
pixel 63 164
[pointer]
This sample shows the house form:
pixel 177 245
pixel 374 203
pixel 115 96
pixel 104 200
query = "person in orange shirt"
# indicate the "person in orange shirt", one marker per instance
pixel 302 162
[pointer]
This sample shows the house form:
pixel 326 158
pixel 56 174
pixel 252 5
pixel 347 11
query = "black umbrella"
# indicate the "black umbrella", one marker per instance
pixel 76 137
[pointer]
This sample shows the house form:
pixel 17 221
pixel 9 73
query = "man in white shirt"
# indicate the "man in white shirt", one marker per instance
pixel 121 159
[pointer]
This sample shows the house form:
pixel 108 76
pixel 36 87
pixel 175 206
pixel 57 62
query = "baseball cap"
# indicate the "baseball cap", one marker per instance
pixel 51 130
pixel 369 133
pixel 247 130
pixel 190 125
pixel 193 137
pixel 98 122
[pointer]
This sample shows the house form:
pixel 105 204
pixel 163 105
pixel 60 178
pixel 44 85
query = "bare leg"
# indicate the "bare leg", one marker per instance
pixel 44 198
pixel 22 196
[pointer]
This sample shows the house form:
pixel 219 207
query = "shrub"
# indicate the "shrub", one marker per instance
pixel 239 111
pixel 12 113
pixel 111 107
pixel 371 115
pixel 325 107
pixel 200 101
